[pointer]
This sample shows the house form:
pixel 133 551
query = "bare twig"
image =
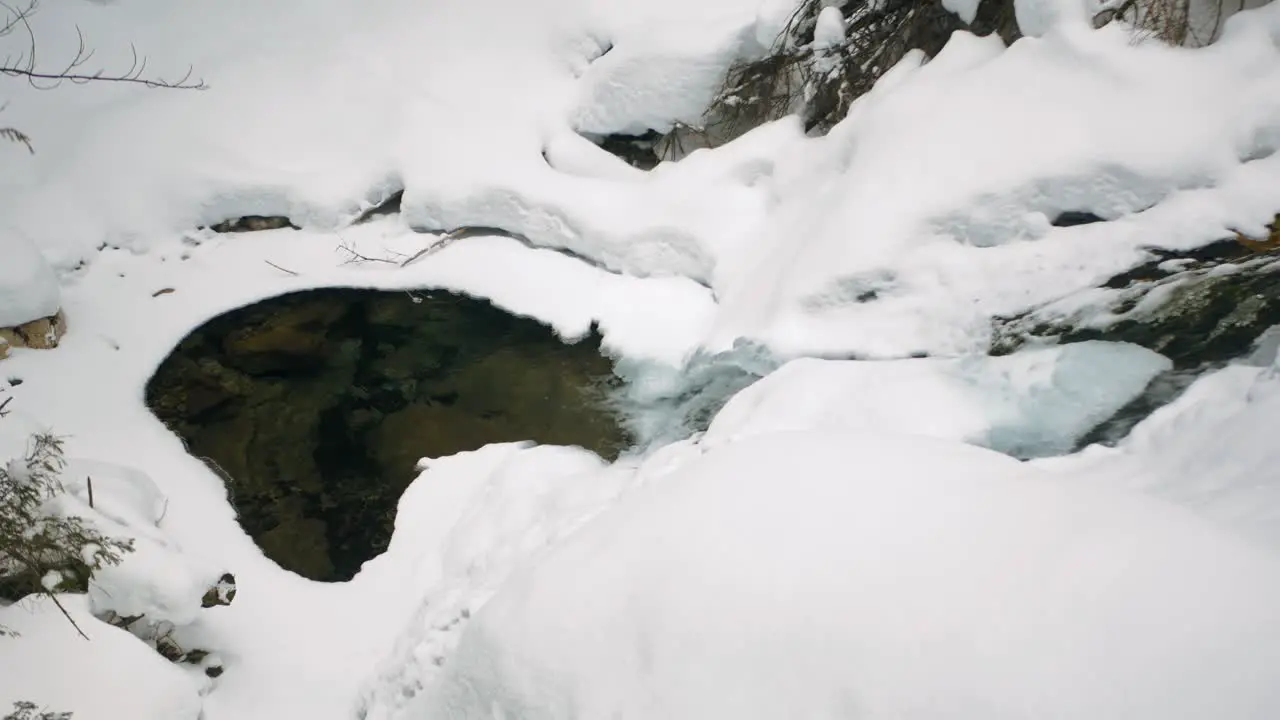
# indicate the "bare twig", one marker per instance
pixel 354 257
pixel 281 269
pixel 4 405
pixel 89 482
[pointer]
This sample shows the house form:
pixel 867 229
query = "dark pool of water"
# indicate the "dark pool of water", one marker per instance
pixel 314 406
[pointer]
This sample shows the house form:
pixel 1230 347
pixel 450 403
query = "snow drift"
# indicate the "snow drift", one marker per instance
pixel 826 575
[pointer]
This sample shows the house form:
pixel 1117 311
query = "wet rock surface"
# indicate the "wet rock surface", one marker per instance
pixel 315 406
pixel 1197 308
pixel 1200 308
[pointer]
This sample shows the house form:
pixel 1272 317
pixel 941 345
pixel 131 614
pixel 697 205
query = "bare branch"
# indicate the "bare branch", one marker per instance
pixel 25 64
pixel 444 241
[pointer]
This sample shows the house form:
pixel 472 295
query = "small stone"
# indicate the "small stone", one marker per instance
pixel 221 593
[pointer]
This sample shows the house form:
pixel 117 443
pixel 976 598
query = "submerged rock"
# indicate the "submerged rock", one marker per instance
pixel 315 407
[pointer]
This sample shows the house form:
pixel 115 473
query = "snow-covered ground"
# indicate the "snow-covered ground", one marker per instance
pixel 846 540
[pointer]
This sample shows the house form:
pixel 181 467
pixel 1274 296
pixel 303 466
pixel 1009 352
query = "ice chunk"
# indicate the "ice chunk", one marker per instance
pixel 1036 402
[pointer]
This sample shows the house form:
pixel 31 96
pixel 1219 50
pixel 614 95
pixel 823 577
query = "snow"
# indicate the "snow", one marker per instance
pixel 107 677
pixel 834 545
pixel 465 523
pixel 671 78
pixel 1040 17
pixel 966 10
pixel 877 576
pixel 1037 402
pixel 828 31
pixel 1208 450
pixel 891 236
pixel 28 286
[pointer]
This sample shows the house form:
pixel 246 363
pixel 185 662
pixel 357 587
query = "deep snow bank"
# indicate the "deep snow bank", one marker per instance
pixel 826 575
pixel 28 286
pixel 1211 450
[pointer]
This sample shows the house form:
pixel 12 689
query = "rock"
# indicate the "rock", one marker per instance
pixel 1072 218
pixel 639 151
pixel 1195 310
pixel 1200 308
pixel 40 334
pixel 253 223
pixel 221 592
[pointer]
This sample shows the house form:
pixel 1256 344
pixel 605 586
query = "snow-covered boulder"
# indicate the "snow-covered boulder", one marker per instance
pixel 158 580
pixel 28 287
pixel 826 575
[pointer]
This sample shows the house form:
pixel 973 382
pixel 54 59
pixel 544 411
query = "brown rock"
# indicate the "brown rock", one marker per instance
pixel 41 334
